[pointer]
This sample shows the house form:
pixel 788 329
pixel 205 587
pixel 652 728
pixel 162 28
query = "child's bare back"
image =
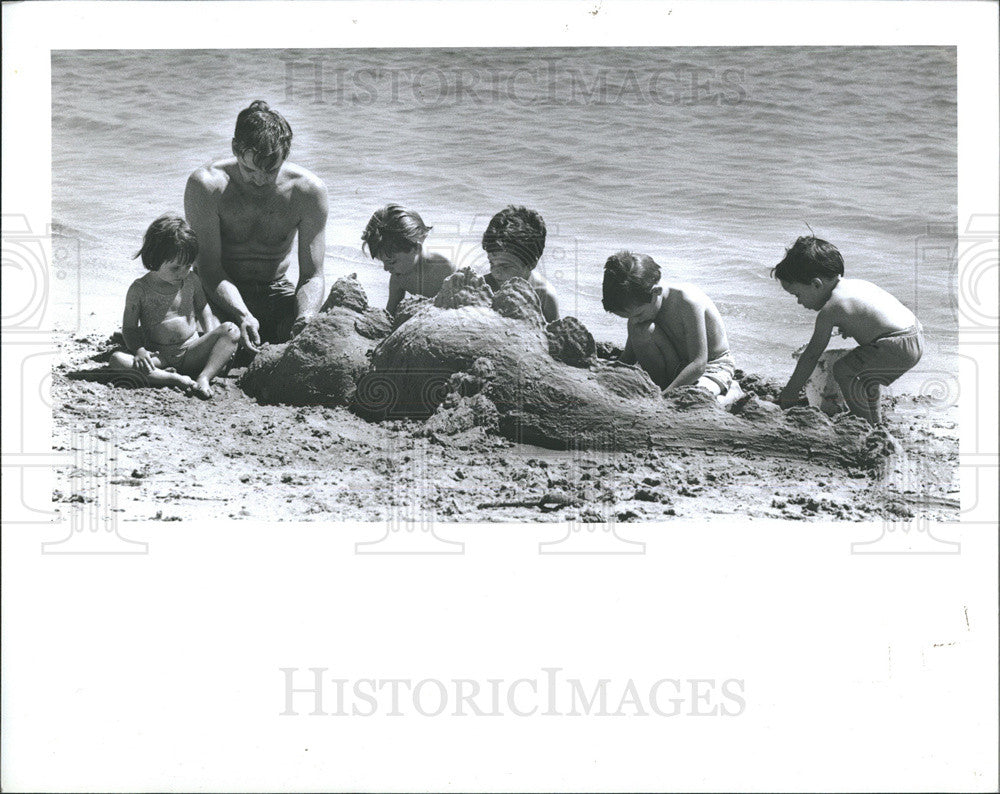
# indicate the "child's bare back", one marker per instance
pixel 863 311
pixel 690 318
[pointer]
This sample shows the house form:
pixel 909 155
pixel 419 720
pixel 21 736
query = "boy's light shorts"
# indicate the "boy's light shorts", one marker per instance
pixel 886 358
pixel 172 356
pixel 720 371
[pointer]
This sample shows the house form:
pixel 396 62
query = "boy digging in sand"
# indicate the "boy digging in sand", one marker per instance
pixel 159 324
pixel 514 241
pixel 889 337
pixel 396 237
pixel 675 332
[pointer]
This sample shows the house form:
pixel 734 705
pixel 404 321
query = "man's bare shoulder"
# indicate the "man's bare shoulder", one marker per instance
pixel 213 177
pixel 303 181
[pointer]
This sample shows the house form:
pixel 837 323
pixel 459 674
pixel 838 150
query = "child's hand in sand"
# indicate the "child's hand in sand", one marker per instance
pixel 144 361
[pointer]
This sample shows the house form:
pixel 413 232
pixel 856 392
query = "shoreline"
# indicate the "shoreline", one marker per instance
pixel 91 297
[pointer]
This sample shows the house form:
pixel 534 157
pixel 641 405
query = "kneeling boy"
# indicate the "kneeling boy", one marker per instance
pixel 675 332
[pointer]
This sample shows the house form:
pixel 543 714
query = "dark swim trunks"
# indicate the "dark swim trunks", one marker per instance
pixel 273 304
pixel 884 359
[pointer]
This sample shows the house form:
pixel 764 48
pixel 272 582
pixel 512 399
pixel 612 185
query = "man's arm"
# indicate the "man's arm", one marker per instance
pixel 203 216
pixel 202 308
pixel 809 358
pixel 309 292
pixel 695 345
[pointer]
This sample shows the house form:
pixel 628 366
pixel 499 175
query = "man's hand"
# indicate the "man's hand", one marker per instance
pixel 788 398
pixel 143 361
pixel 250 332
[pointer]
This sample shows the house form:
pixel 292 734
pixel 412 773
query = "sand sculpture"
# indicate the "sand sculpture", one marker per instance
pixel 322 365
pixel 470 358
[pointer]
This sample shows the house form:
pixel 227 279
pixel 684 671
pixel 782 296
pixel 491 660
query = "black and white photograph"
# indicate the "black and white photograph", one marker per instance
pixel 410 395
pixel 512 284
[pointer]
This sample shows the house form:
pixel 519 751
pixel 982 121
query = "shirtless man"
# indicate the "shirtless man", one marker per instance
pixel 246 211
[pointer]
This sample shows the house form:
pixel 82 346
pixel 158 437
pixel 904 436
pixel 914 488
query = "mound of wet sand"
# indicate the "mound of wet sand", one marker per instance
pixel 322 365
pixel 235 458
pixel 546 385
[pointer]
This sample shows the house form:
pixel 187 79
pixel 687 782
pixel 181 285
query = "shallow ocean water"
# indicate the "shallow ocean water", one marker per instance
pixel 711 160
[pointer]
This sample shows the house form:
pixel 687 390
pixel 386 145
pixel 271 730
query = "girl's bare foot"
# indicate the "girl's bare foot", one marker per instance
pixel 177 379
pixel 201 388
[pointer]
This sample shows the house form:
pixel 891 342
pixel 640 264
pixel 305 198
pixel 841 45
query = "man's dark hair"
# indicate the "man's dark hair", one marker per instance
pixel 809 258
pixel 393 228
pixel 264 132
pixel 519 231
pixel 168 237
pixel 628 280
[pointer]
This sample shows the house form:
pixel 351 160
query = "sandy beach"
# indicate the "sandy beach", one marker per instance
pixel 180 458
